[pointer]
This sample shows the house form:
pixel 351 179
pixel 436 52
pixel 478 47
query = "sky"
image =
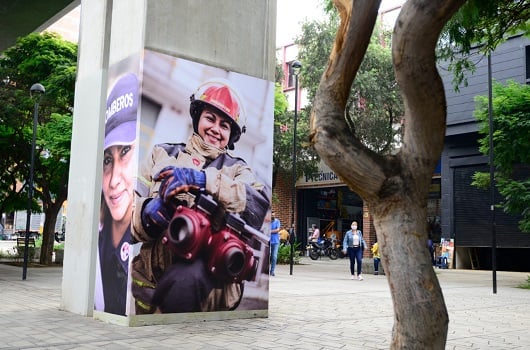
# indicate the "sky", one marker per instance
pixel 290 13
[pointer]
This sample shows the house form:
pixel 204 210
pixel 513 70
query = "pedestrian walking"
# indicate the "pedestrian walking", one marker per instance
pixel 275 241
pixel 354 245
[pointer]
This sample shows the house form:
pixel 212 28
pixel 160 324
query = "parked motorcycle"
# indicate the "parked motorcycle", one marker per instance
pixel 324 247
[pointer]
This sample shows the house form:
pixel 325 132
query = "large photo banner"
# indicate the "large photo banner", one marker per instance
pixel 201 217
pixel 186 188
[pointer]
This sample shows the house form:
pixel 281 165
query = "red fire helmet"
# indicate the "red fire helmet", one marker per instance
pixel 221 96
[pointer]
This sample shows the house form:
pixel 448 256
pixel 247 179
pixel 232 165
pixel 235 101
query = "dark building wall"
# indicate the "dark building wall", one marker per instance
pixel 507 62
pixel 465 210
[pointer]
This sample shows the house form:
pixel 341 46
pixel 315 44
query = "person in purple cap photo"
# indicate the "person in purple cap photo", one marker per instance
pixel 119 169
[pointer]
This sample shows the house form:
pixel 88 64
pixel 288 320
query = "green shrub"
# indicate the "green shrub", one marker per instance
pixel 284 254
pixel 525 285
pixel 9 254
pixel 20 252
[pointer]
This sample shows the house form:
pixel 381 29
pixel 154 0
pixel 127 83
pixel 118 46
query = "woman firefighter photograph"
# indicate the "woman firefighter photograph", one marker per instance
pixel 200 207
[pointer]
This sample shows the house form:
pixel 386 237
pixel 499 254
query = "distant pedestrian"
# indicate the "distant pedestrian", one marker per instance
pixel 430 245
pixel 275 241
pixel 377 256
pixel 284 236
pixel 315 237
pixel 354 245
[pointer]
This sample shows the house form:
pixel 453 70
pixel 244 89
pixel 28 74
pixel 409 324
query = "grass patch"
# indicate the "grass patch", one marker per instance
pixel 525 285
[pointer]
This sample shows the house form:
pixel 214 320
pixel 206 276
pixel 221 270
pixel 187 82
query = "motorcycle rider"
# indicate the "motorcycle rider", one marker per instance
pixel 321 246
pixel 315 237
pixel 161 281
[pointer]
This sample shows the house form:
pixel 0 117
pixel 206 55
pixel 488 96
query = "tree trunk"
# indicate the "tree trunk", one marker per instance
pixel 420 314
pixel 48 233
pixel 395 187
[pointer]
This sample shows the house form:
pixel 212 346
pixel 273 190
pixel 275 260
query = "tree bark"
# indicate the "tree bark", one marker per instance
pixel 48 233
pixel 53 194
pixel 395 187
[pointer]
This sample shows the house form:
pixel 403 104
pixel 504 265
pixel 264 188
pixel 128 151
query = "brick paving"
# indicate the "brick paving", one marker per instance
pixel 318 307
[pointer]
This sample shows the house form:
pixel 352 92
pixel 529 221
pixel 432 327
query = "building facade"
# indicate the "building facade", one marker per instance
pixel 457 212
pixel 466 216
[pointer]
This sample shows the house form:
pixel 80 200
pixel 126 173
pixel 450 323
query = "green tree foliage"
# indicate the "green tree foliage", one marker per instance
pixel 49 60
pixel 280 100
pixel 511 147
pixel 314 45
pixel 306 157
pixel 375 108
pixel 477 28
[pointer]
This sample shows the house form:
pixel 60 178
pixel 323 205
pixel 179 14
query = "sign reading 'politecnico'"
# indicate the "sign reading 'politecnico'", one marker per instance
pixel 323 177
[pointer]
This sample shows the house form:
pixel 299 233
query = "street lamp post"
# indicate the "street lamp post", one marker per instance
pixel 492 182
pixel 36 92
pixel 296 65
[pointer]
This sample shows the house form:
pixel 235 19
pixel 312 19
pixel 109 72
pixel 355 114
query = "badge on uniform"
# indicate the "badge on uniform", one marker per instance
pixel 124 251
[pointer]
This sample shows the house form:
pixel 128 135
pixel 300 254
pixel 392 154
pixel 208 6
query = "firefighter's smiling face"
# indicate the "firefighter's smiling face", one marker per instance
pixel 214 128
pixel 118 182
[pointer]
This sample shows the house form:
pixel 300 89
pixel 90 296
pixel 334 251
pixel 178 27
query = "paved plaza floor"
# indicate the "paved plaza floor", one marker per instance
pixel 317 307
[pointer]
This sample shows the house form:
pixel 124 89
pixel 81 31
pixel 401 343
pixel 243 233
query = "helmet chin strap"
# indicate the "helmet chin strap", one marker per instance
pixel 235 136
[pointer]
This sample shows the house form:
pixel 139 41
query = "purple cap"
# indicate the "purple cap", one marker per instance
pixel 121 114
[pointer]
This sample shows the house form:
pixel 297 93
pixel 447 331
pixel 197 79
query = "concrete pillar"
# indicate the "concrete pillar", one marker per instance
pixel 231 34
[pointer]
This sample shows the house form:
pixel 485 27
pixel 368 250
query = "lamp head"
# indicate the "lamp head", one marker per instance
pixel 37 90
pixel 296 65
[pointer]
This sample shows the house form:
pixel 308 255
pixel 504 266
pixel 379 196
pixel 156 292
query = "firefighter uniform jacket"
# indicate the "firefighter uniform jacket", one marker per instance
pixel 232 184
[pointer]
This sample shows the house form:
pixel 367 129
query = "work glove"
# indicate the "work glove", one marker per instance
pixel 176 180
pixel 156 216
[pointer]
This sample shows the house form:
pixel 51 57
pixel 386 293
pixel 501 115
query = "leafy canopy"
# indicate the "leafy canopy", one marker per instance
pixel 306 157
pixel 511 147
pixel 477 29
pixel 47 59
pixel 375 107
pixel 51 61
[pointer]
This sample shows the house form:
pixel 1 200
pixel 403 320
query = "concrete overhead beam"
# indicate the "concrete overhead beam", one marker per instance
pixel 19 18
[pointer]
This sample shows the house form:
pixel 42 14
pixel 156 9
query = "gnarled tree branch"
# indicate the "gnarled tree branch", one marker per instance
pixel 330 133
